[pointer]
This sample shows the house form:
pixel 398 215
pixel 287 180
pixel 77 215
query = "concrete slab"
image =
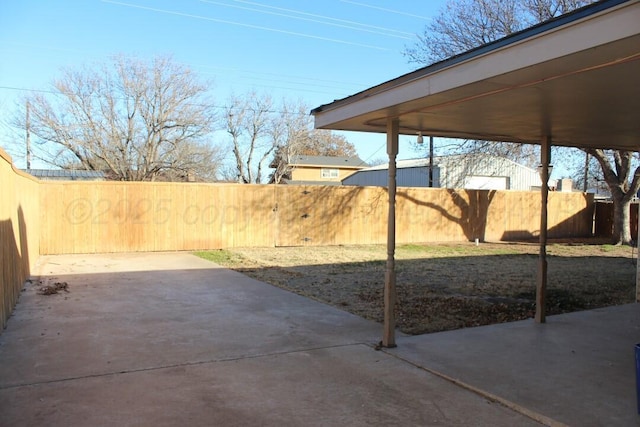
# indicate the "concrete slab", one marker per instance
pixel 168 339
pixel 138 311
pixel 578 368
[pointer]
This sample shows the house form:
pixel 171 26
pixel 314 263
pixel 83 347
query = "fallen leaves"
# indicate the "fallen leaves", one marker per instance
pixel 54 288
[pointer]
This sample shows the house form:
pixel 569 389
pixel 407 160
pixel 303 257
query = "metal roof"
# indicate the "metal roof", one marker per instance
pixel 66 174
pixel 574 78
pixel 438 160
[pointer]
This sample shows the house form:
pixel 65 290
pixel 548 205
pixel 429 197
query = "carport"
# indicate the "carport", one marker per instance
pixel 571 81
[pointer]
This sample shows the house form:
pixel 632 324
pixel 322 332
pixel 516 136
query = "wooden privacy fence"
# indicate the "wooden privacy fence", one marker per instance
pixel 40 217
pixel 19 232
pixel 604 219
pixel 88 217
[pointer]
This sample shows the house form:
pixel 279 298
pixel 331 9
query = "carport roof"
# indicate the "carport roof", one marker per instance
pixel 575 79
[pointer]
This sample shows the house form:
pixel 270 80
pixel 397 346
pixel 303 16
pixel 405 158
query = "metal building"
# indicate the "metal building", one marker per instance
pixel 469 171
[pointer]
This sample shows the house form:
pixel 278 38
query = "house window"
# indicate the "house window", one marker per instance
pixel 330 173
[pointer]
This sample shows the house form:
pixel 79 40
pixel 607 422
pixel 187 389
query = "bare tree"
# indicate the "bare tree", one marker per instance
pixel 525 154
pixel 327 143
pixel 267 135
pixel 582 168
pixel 542 10
pixel 466 24
pixel 248 122
pixel 462 25
pixel 623 184
pixel 133 119
pixel 290 134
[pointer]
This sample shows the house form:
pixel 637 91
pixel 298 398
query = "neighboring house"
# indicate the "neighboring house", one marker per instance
pixel 323 170
pixel 66 174
pixel 469 171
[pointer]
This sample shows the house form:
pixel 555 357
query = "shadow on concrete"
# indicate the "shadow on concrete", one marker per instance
pixel 578 369
pixel 160 339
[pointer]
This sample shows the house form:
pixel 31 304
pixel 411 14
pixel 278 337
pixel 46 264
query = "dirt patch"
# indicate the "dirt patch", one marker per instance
pixel 446 286
pixel 53 288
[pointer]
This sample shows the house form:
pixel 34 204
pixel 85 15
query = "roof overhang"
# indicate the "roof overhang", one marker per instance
pixel 575 79
pixel 312 165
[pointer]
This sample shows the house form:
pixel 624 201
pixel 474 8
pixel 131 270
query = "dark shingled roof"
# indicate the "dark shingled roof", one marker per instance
pixel 350 162
pixel 66 174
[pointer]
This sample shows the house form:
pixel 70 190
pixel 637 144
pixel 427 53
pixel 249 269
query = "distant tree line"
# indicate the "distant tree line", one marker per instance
pixel 155 120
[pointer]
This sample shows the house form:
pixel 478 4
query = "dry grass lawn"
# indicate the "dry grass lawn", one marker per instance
pixel 445 286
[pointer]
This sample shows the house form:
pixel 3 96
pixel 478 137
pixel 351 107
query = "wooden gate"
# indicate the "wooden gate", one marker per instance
pixel 293 205
pixel 329 215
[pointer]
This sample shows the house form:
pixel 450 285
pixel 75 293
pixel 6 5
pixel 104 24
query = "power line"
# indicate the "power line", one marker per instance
pixel 293 88
pixel 22 89
pixel 216 106
pixel 282 79
pixel 278 75
pixel 240 24
pixel 353 25
pixel 302 80
pixel 384 9
pixel 297 83
pixel 300 86
pixel 343 88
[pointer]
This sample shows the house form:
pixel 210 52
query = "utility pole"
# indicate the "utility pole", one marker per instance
pixel 28 125
pixel 430 161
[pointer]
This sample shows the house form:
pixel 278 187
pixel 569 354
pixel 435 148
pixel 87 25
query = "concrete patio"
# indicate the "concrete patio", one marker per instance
pixel 170 339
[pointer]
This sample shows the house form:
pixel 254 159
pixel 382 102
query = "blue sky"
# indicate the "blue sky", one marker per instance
pixel 313 51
